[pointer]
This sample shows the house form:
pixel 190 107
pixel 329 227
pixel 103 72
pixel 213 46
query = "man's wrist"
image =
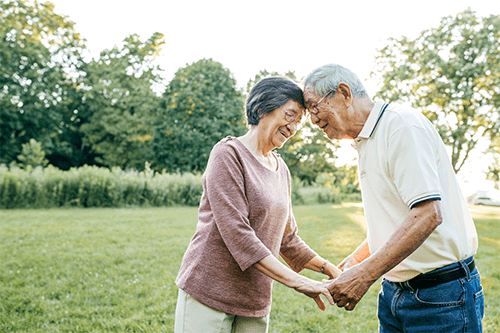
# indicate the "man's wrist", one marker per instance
pixel 372 270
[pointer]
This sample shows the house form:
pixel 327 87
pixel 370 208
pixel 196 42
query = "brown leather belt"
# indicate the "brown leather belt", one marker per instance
pixel 433 279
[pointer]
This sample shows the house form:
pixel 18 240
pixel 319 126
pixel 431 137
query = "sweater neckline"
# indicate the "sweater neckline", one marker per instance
pixel 255 158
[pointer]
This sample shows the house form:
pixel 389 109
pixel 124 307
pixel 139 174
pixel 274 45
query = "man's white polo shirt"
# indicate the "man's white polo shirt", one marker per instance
pixel 402 162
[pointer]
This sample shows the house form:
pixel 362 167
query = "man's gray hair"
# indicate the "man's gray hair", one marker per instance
pixel 327 78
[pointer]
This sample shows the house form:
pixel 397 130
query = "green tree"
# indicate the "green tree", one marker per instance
pixel 493 173
pixel 264 73
pixel 200 106
pixel 39 60
pixel 119 100
pixel 451 73
pixel 33 154
pixel 309 152
pixel 346 178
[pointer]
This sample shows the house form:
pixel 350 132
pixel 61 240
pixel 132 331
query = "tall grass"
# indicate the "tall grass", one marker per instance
pixel 91 186
pixel 113 270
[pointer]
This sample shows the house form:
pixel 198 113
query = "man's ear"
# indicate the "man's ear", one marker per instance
pixel 345 90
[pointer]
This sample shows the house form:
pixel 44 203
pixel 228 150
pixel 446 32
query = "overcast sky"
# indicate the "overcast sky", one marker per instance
pixel 249 36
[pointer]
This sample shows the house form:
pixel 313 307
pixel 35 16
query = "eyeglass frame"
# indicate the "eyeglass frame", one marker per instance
pixel 298 123
pixel 315 107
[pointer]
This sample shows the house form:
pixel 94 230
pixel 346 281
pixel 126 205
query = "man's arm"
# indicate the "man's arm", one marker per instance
pixel 353 283
pixel 360 254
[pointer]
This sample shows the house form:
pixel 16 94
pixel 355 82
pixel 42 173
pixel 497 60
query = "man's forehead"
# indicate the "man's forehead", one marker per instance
pixel 310 95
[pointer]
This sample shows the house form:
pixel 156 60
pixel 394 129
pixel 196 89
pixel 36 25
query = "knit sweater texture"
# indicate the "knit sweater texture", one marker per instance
pixel 245 214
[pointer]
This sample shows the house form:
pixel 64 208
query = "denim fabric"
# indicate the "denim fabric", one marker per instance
pixel 455 306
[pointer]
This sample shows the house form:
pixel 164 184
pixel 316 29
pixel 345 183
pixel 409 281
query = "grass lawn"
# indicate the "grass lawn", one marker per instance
pixel 113 270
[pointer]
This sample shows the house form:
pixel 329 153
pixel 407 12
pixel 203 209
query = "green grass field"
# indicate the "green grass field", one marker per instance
pixel 113 270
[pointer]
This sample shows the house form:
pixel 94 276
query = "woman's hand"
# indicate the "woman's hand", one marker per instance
pixel 332 271
pixel 273 268
pixel 314 289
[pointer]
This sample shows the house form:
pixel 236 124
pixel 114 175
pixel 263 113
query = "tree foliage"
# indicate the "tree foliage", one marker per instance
pixel 105 111
pixel 309 153
pixel 493 172
pixel 201 106
pixel 39 50
pixel 33 154
pixel 451 73
pixel 118 101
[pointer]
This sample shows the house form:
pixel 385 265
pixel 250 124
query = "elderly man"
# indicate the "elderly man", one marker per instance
pixel 421 238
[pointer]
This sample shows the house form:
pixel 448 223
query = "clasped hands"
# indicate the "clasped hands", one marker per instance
pixel 345 289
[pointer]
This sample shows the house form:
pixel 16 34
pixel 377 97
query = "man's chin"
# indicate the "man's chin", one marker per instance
pixel 331 135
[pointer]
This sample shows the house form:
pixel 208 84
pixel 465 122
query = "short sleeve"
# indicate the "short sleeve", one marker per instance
pixel 413 165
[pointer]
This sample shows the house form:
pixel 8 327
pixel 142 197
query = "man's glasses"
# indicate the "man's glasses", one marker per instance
pixel 315 108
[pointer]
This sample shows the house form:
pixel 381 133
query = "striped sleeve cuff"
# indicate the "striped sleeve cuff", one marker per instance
pixel 429 197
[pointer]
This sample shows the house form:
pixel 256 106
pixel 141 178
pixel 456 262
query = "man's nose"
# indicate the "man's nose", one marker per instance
pixel 314 119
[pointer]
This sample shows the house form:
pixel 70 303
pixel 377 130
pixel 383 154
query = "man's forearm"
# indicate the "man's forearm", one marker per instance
pixel 415 229
pixel 362 252
pixel 353 283
pixel 359 255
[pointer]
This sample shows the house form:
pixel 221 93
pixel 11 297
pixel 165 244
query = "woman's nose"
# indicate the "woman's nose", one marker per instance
pixel 293 128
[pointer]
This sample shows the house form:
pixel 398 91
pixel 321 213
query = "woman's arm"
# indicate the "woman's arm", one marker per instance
pixel 316 264
pixel 273 268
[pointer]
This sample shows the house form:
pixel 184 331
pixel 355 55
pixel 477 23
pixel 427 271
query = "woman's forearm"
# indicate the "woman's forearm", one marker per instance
pixel 273 268
pixel 317 264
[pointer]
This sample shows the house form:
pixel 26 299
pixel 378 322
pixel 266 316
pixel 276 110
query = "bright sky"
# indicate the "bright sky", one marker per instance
pixel 276 35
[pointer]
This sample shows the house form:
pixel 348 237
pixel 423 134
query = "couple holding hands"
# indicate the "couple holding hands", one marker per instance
pixel 420 236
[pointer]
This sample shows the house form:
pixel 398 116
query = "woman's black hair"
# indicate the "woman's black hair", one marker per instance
pixel 269 94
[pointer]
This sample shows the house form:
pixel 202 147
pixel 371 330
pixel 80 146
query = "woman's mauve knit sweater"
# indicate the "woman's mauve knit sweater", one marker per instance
pixel 245 215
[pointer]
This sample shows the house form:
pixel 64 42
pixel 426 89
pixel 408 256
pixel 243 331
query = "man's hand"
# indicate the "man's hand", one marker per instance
pixel 348 289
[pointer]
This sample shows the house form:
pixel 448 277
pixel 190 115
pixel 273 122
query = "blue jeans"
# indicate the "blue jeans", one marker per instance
pixel 455 306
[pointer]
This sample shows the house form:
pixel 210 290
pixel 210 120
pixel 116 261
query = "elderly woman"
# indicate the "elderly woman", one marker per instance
pixel 246 221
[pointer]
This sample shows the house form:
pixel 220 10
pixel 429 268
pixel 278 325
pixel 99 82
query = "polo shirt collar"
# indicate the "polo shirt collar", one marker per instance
pixel 373 119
